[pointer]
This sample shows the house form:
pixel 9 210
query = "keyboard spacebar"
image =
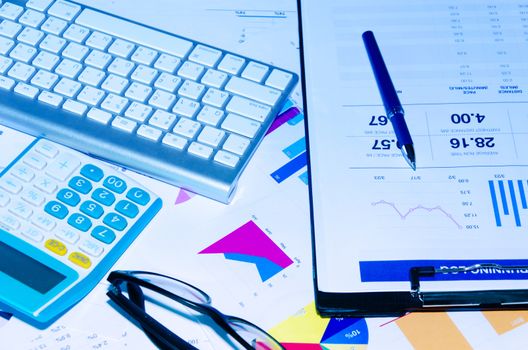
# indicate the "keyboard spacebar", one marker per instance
pixel 134 32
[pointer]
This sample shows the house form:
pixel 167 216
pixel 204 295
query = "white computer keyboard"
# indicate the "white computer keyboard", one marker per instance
pixel 166 106
pixel 65 219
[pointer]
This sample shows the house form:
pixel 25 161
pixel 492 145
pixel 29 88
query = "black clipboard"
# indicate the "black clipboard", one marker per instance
pixel 478 282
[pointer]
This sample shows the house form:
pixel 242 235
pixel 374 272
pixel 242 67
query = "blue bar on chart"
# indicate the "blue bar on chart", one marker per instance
pixel 295 148
pixel 290 168
pixel 508 201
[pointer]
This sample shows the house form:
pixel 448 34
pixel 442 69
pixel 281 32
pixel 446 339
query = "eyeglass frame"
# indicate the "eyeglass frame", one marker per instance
pixel 157 332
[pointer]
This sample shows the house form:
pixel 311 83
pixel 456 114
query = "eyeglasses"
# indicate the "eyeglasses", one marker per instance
pixel 143 286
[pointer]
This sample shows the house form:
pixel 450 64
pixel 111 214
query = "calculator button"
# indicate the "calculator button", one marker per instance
pixel 32 196
pixel 92 209
pixel 46 149
pixel 80 222
pixel 103 234
pixel 46 184
pixel 67 235
pixel 44 222
pixel 80 259
pixel 115 221
pixel 103 196
pixel 127 208
pixel 138 196
pixel 56 209
pixel 11 185
pixel 56 246
pixel 91 248
pixel 69 197
pixel 9 221
pixel 21 209
pixel 33 234
pixel 80 184
pixel 23 172
pixel 63 166
pixel 92 172
pixel 4 198
pixel 115 184
pixel 35 161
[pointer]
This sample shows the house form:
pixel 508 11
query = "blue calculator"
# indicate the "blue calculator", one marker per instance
pixel 65 219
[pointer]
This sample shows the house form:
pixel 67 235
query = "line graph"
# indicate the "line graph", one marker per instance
pixel 403 215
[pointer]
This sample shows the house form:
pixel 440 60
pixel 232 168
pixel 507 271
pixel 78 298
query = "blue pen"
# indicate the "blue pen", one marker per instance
pixel 393 107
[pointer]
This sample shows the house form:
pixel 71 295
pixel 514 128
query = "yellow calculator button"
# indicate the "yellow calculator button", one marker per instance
pixel 80 259
pixel 56 246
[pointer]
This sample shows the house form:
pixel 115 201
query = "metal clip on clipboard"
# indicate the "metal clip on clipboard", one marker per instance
pixel 462 299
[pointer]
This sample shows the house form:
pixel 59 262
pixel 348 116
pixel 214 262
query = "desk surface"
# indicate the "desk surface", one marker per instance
pixel 190 236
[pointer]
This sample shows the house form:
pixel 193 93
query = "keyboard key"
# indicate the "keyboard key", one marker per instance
pixel 115 84
pixel 186 107
pixel 279 79
pixel 115 184
pixel 215 97
pixel 6 45
pixel 76 33
pixel 68 88
pixel 10 184
pixel 138 92
pixel 231 64
pixel 167 63
pixel 114 103
pixel 138 111
pixel 214 78
pixel 52 43
pixel 127 208
pixel 33 234
pixel 21 71
pixel 92 172
pixel 139 196
pixel 4 198
pixel 191 89
pixel 39 5
pixel 149 132
pixel 236 144
pixel 75 52
pixel 92 76
pixel 68 197
pixel 210 115
pixel 174 141
pixel 44 222
pixel 35 161
pixel 80 259
pixel 211 136
pixel 46 184
pixel 226 158
pixel 186 127
pixel 167 82
pixel 144 74
pixel 64 9
pixel 99 41
pixel 50 98
pixel 9 221
pixel 162 99
pixel 162 120
pixel 191 70
pixel 32 196
pixel 144 55
pixel 26 90
pixel 56 209
pixel 115 221
pixel 32 18
pixel 248 108
pixel 21 209
pixel 240 125
pixel 253 90
pixel 121 48
pixel 63 166
pixel 44 79
pixel 124 124
pixel 103 196
pixel 92 209
pixel 56 247
pixel 205 55
pixel 54 25
pixel 80 184
pixel 99 115
pixel 46 60
pixel 91 248
pixel 103 234
pixel 200 150
pixel 9 29
pixel 135 33
pixel 255 71
pixel 47 149
pixel 23 172
pixel 75 107
pixel 30 36
pixel 23 52
pixel 10 11
pixel 80 222
pixel 91 96
pixel 121 67
pixel 98 59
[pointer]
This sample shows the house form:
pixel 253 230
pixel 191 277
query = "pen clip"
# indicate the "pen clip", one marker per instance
pixel 415 273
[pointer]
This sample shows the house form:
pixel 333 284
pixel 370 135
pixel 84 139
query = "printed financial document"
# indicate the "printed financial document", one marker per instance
pixel 462 78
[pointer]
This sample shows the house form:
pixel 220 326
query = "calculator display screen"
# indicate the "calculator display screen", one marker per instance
pixel 27 270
